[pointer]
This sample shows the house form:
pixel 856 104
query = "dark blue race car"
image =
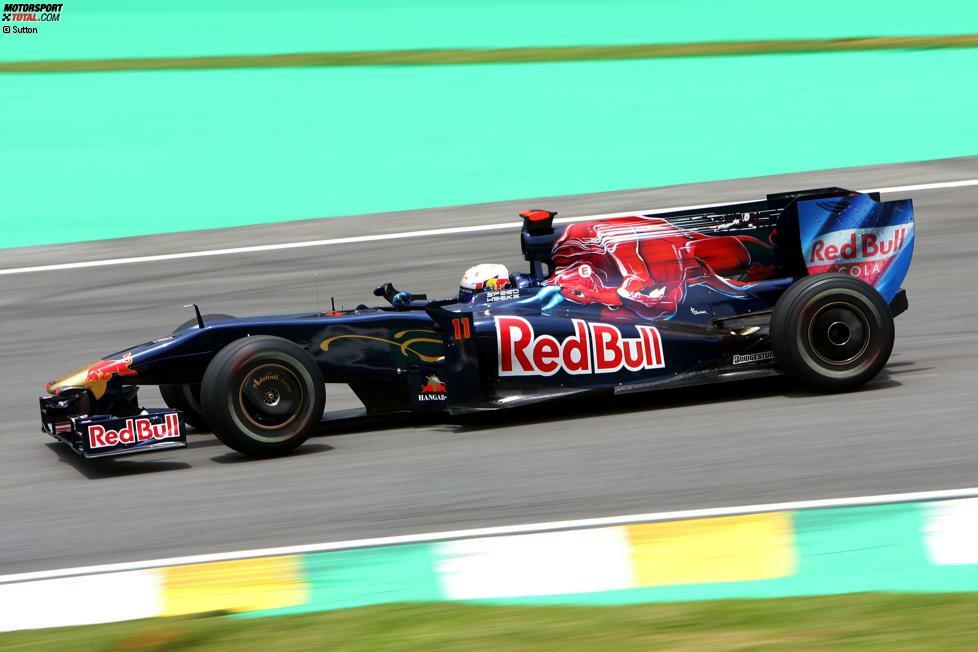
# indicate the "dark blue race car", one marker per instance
pixel 804 283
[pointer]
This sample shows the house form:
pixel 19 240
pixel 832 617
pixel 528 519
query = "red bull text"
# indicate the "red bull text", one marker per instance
pixel 135 431
pixel 594 348
pixel 864 253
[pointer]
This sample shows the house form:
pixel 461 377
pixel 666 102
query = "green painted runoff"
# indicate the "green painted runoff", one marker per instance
pixel 92 156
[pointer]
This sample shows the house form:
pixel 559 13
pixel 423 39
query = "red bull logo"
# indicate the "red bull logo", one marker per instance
pixel 137 430
pixel 594 348
pixel 494 284
pixel 105 369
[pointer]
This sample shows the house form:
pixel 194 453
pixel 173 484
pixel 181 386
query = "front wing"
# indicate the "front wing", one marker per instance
pixel 152 429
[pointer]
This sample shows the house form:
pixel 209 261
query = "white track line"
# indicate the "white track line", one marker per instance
pixel 402 235
pixel 945 494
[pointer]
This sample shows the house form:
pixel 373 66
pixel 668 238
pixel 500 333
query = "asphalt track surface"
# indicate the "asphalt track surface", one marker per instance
pixel 912 429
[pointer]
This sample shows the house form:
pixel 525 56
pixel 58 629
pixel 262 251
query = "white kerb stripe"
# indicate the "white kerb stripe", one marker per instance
pixel 550 563
pixel 951 531
pixel 426 233
pixel 81 600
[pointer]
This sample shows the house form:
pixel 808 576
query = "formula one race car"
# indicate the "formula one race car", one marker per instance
pixel 804 284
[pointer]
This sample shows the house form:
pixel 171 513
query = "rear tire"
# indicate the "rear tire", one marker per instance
pixel 263 396
pixel 187 397
pixel 832 332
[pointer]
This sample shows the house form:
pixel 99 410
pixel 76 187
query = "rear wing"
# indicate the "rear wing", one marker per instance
pixel 859 235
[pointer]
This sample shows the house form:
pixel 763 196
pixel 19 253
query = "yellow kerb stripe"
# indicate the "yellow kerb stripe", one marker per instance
pixel 727 549
pixel 239 585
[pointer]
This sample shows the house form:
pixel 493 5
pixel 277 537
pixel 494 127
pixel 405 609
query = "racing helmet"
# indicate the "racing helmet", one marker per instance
pixel 486 277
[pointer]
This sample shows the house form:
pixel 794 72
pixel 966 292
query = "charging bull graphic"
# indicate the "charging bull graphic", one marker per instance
pixel 95 376
pixel 645 264
pixel 105 369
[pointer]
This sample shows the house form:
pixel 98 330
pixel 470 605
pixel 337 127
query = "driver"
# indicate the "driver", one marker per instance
pixel 487 277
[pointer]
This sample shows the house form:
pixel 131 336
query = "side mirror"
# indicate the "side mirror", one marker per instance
pixel 400 300
pixel 385 290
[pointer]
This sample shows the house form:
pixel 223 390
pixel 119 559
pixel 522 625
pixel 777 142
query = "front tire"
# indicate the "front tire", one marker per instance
pixel 832 332
pixel 186 398
pixel 263 396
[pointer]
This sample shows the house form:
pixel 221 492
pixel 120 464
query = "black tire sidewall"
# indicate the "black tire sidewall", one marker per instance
pixel 220 395
pixel 186 398
pixel 798 306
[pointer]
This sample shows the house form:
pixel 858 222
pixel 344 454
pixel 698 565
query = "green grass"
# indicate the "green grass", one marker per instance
pixel 860 622
pixel 442 57
pixel 110 29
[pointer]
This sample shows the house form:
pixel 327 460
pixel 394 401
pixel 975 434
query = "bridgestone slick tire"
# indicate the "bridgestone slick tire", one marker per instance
pixel 832 332
pixel 187 397
pixel 263 396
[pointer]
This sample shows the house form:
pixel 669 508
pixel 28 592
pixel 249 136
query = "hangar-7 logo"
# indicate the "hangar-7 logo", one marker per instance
pixel 434 389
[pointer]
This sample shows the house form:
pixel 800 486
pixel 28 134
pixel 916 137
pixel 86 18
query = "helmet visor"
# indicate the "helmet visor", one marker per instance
pixel 465 295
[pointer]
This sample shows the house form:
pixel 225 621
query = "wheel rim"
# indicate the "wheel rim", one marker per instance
pixel 839 333
pixel 270 396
